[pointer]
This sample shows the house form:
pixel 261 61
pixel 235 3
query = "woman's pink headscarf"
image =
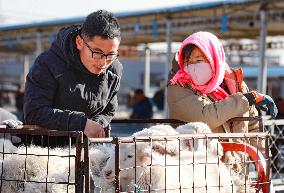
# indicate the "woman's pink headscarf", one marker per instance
pixel 212 48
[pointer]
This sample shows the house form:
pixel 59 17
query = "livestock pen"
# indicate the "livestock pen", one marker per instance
pixel 83 175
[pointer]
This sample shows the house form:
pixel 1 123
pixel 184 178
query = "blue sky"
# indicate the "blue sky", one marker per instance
pixel 23 11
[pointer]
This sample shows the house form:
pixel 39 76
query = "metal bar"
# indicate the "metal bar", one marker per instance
pixel 37 130
pixel 117 167
pixel 147 70
pixel 38 44
pixel 168 65
pixel 78 167
pixel 273 122
pixel 135 166
pixel 258 118
pixel 262 78
pixel 26 65
pixel 86 165
pixel 146 121
pixel 268 168
pixel 47 164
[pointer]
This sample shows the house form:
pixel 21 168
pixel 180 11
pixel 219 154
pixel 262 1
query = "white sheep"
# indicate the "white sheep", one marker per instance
pixel 151 162
pixel 212 145
pixel 148 160
pixel 170 147
pixel 33 167
pixel 150 157
pixel 6 146
pixel 36 166
pixel 99 154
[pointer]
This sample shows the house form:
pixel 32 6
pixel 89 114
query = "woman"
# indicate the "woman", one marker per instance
pixel 206 89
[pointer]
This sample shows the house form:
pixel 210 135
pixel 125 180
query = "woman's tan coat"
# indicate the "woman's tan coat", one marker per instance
pixel 188 105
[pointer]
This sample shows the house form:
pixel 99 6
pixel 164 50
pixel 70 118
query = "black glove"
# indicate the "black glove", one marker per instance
pixel 262 102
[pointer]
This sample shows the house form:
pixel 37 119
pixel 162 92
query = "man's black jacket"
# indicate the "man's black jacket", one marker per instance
pixel 61 93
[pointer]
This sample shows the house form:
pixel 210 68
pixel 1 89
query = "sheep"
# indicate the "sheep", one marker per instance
pixel 212 145
pixel 99 154
pixel 6 146
pixel 34 168
pixel 215 148
pixel 147 157
pixel 148 161
pixel 173 146
pixel 170 147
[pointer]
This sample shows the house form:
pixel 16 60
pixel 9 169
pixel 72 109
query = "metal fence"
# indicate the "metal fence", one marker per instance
pixel 198 172
pixel 276 130
pixel 46 168
pixel 78 168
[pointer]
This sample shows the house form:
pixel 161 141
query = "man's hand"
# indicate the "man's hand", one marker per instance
pixel 94 129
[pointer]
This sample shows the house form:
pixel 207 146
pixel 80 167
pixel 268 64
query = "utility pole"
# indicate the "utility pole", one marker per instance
pixel 262 76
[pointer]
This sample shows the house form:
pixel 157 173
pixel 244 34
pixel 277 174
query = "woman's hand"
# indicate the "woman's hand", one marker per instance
pixel 262 102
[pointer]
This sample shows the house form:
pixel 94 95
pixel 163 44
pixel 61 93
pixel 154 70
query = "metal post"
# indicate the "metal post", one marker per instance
pixel 168 65
pixel 87 167
pixel 38 44
pixel 262 76
pixel 26 66
pixel 79 179
pixel 117 165
pixel 147 70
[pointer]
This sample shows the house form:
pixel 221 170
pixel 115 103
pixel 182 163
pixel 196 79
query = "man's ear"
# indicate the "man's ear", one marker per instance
pixel 79 42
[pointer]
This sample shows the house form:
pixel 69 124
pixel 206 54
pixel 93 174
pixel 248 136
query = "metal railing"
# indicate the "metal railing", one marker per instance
pixel 83 180
pixel 30 166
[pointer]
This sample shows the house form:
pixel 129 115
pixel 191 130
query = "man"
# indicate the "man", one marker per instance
pixel 73 85
pixel 142 107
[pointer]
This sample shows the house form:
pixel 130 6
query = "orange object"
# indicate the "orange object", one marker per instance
pixel 258 159
pixel 258 97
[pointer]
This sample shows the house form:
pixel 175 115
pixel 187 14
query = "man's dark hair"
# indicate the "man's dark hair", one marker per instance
pixel 139 91
pixel 101 23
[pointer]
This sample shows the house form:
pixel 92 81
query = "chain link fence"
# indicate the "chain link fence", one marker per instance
pixel 275 128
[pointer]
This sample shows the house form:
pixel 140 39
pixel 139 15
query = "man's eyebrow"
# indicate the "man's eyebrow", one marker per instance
pixel 99 50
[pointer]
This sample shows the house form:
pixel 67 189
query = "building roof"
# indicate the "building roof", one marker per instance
pixel 225 18
pixel 52 22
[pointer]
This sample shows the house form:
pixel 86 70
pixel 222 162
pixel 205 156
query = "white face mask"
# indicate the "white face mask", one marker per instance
pixel 200 73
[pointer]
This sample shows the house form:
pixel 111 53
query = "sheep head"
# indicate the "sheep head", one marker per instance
pixel 134 164
pixel 213 145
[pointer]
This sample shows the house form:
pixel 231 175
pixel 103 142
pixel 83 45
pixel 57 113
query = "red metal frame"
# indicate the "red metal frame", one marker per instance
pixel 256 156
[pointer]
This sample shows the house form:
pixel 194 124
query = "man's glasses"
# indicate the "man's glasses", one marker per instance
pixel 100 55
